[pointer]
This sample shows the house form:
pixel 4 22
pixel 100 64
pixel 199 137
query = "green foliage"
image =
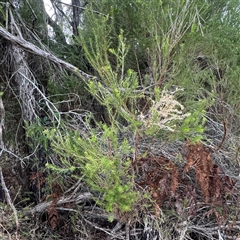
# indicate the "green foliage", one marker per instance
pixel 193 126
pixel 100 159
pixel 214 40
pixel 116 88
pixel 152 29
pixel 97 43
pixel 117 84
pixel 34 14
pixel 34 133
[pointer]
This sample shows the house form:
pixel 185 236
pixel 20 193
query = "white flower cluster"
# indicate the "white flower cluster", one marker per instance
pixel 164 112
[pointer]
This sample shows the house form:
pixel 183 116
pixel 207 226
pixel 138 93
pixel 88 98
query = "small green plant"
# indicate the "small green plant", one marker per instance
pixel 100 160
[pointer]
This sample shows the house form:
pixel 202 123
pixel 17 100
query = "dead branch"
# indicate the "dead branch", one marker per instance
pixel 78 198
pixel 114 235
pixel 3 184
pixel 9 200
pixel 224 135
pixel 20 42
pixel 2 110
pixel 215 229
pixel 5 230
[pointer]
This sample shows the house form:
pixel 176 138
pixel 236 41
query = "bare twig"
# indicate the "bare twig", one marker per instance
pixel 52 108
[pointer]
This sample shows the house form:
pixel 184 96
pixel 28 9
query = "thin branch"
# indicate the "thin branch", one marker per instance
pixel 56 7
pixel 47 102
pixel 224 135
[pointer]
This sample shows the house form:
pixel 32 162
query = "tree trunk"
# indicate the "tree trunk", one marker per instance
pixel 23 77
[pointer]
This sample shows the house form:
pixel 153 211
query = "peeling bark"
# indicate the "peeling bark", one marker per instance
pixel 23 77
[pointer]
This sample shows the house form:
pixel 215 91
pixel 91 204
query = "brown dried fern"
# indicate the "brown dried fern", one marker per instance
pixel 199 157
pixel 52 215
pixel 213 183
pixel 52 210
pixel 160 175
pixel 37 178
